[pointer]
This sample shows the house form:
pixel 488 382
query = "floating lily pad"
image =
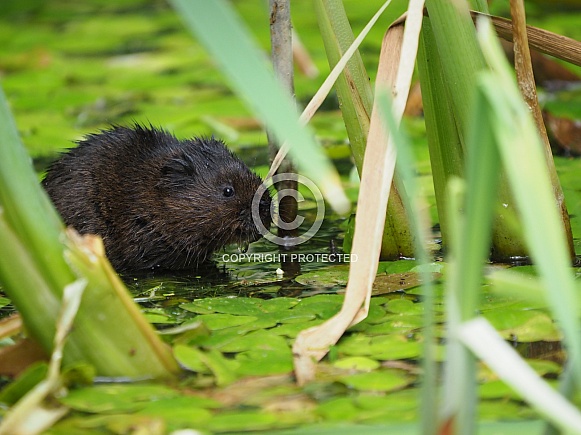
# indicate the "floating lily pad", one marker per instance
pixel 383 347
pixel 240 306
pixel 375 315
pixel 160 318
pixel 544 367
pixel 227 305
pixel 264 363
pixel 191 358
pixel 180 412
pixel 255 340
pixel 523 326
pixel 339 409
pixel 222 321
pixel 325 277
pixel 493 301
pixel 401 266
pixel 291 330
pixel 404 306
pixel 379 300
pixel 379 380
pixel 497 390
pixel 394 282
pixel 321 299
pixel 211 361
pixel 224 369
pixel 492 410
pixel 396 323
pixel 394 347
pixel 394 402
pixel 116 398
pixel 323 306
pixel 266 354
pixel 293 317
pixel 217 338
pixel 263 321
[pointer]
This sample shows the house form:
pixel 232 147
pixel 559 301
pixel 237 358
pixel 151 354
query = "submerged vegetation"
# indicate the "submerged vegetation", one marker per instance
pixel 427 353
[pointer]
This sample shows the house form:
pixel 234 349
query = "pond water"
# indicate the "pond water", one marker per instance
pixel 252 273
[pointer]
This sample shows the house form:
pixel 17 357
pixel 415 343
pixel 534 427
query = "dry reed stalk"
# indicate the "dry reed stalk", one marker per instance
pixel 526 83
pixel 378 166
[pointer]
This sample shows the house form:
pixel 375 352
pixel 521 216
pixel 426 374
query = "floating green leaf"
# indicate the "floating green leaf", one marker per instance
pixel 116 398
pixel 523 326
pixel 381 380
pixel 222 321
pixel 325 277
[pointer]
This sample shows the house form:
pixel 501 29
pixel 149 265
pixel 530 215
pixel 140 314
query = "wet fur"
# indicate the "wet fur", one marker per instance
pixel 157 202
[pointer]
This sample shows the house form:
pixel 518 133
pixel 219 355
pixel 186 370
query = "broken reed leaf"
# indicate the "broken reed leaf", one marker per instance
pixel 32 414
pixel 547 42
pixel 379 163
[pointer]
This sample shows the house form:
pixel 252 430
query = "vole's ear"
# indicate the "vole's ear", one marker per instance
pixel 181 165
pixel 178 171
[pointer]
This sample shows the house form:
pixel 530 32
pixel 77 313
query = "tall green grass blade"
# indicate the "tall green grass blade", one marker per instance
pixel 223 34
pixel 461 60
pixel 29 227
pixel 109 331
pixel 356 102
pixel 26 208
pixel 468 253
pixel 18 270
pixel 567 389
pixel 404 166
pixel 445 147
pixel 353 87
pixel 460 55
pixel 480 6
pixel 459 364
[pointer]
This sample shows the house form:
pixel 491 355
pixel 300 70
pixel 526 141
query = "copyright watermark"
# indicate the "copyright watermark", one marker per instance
pixel 275 213
pixel 292 257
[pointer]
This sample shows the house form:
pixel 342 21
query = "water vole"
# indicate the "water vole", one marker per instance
pixel 157 202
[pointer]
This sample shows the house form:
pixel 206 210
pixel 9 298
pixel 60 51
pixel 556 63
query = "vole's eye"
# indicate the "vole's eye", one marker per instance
pixel 228 192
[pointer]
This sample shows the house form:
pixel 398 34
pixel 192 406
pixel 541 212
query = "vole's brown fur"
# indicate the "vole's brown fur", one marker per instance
pixel 156 201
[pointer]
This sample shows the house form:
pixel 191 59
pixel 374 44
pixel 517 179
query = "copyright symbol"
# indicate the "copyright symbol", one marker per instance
pixel 274 211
